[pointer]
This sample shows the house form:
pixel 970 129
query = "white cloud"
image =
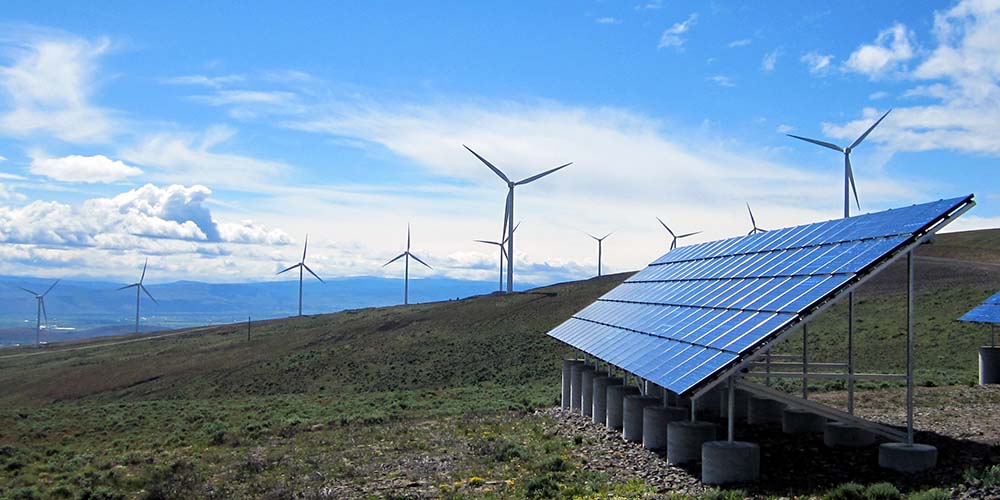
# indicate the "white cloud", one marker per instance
pixel 8 193
pixel 770 60
pixel 204 81
pixel 892 47
pixel 743 42
pixel 609 20
pixel 721 80
pixel 2 158
pixel 49 82
pixel 89 169
pixel 225 97
pixel 652 5
pixel 881 94
pixel 816 62
pixel 784 129
pixel 673 36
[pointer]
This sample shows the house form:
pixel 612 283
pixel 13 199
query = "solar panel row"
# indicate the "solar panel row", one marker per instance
pixel 698 310
pixel 987 312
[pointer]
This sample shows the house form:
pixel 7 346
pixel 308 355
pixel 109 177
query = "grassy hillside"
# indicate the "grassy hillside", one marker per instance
pixel 328 406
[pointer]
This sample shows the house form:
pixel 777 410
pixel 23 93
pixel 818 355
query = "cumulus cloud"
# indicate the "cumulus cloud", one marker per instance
pixel 891 48
pixel 89 169
pixel 8 193
pixel 49 81
pixel 816 62
pixel 674 35
pixel 174 213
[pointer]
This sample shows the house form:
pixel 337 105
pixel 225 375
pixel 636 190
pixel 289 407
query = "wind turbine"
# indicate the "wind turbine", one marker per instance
pixel 509 209
pixel 40 305
pixel 600 244
pixel 139 287
pixel 673 242
pixel 848 171
pixel 406 272
pixel 753 222
pixel 302 265
pixel 503 251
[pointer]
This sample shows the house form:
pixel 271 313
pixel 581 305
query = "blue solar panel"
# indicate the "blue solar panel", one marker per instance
pixel 987 312
pixel 698 310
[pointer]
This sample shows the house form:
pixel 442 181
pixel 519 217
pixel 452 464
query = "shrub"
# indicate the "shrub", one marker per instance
pixel 555 464
pixel 544 486
pixel 931 494
pixel 989 476
pixel 725 495
pixel 101 493
pixel 846 491
pixel 883 491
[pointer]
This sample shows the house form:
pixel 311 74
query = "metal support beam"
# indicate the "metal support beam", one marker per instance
pixel 767 367
pixel 821 409
pixel 694 409
pixel 731 427
pixel 910 340
pixel 805 361
pixel 850 353
pixel 830 376
pixel 772 365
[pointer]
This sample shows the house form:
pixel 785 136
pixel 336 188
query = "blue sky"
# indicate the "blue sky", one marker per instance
pixel 212 138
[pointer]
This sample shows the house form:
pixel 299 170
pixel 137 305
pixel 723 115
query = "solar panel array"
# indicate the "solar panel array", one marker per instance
pixel 698 310
pixel 987 312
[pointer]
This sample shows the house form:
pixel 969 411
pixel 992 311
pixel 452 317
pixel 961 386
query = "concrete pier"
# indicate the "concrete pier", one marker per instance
pixel 567 377
pixel 600 396
pixel 576 386
pixel 764 411
pixel 616 401
pixel 633 413
pixel 685 439
pixel 908 458
pixel 989 365
pixel 842 435
pixel 655 425
pixel 799 421
pixel 587 392
pixel 724 462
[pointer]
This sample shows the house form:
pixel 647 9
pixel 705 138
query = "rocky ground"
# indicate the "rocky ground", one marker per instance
pixel 962 422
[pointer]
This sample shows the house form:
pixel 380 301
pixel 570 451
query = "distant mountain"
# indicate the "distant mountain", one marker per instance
pixel 85 308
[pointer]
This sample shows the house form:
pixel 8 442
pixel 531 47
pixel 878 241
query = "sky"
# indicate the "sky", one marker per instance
pixel 212 137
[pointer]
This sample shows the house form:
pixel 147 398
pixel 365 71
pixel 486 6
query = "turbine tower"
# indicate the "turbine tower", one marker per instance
pixel 40 306
pixel 406 272
pixel 848 171
pixel 509 209
pixel 673 242
pixel 503 251
pixel 600 244
pixel 753 222
pixel 302 265
pixel 139 287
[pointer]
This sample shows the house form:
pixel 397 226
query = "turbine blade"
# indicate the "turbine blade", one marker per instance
pixel 127 286
pixel 289 268
pixel 312 273
pixel 304 247
pixel 850 177
pixel 51 287
pixel 864 135
pixel 515 227
pixel 606 236
pixel 407 237
pixel 420 261
pixel 506 211
pixel 400 256
pixel 143 288
pixel 144 270
pixel 689 234
pixel 488 164
pixel 534 178
pixel 488 242
pixel 752 221
pixel 820 143
pixel 592 236
pixel 664 224
pixel 29 291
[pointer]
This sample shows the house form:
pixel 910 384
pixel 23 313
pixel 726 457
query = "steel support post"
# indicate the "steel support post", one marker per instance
pixel 767 367
pixel 910 340
pixel 732 409
pixel 850 353
pixel 805 361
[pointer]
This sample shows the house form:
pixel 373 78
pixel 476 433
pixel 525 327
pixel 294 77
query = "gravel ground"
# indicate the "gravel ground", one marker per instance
pixel 962 422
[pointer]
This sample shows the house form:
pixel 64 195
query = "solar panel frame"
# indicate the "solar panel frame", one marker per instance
pixel 701 310
pixel 988 312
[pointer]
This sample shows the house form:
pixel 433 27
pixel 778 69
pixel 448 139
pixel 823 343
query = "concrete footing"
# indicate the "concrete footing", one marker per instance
pixel 764 411
pixel 724 462
pixel 842 435
pixel 799 421
pixel 576 386
pixel 655 425
pixel 989 365
pixel 600 396
pixel 684 440
pixel 587 392
pixel 633 413
pixel 567 377
pixel 909 458
pixel 616 399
